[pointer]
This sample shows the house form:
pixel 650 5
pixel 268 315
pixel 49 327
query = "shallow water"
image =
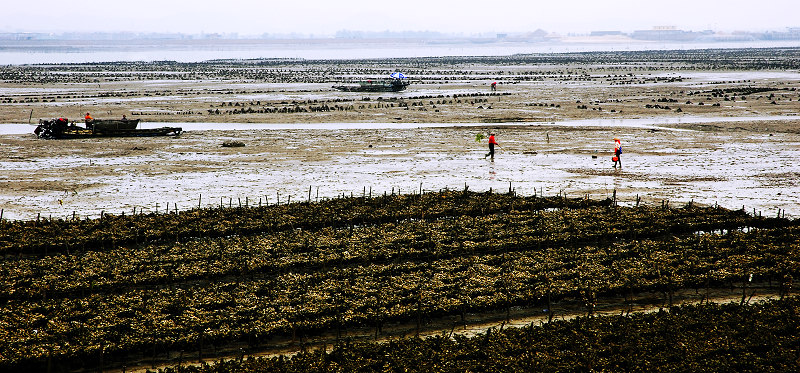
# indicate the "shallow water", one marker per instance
pixel 659 123
pixel 33 52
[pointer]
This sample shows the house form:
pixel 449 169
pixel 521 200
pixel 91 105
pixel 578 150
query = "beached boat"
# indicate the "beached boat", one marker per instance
pixel 381 85
pixel 395 83
pixel 113 124
pixel 62 129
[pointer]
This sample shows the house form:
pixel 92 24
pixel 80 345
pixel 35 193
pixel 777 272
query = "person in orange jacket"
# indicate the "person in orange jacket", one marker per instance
pixel 88 120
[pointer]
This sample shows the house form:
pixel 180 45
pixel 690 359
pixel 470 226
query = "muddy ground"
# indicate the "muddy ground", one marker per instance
pixel 690 132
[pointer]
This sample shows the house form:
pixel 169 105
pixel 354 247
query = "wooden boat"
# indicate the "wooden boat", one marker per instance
pixel 113 124
pixel 380 85
pixel 61 129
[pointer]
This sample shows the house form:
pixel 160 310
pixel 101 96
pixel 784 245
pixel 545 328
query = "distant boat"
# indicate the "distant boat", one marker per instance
pixel 398 82
pixel 61 129
pixel 381 85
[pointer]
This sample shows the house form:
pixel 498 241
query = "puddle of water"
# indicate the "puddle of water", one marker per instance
pixel 649 123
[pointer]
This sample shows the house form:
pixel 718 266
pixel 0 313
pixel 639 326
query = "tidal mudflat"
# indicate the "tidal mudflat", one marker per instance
pixel 712 127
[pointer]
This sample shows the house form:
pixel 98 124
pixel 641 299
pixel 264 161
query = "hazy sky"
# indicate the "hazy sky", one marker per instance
pixel 325 17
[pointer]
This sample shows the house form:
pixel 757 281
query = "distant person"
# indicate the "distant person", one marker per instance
pixel 124 117
pixel 494 86
pixel 617 152
pixel 492 143
pixel 61 124
pixel 88 120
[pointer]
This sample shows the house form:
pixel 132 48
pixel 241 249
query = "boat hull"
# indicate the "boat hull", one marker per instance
pixel 61 129
pixel 113 124
pixel 375 86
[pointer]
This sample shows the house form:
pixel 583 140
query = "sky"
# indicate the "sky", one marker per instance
pixel 326 17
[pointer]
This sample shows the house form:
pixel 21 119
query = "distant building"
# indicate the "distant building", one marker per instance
pixel 735 37
pixel 23 36
pixel 664 33
pixel 792 33
pixel 606 33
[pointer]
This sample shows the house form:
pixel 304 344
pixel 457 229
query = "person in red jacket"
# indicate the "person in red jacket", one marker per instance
pixel 617 153
pixel 492 143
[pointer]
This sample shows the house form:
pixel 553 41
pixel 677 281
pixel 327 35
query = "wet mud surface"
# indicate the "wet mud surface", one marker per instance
pixel 718 127
pixel 734 169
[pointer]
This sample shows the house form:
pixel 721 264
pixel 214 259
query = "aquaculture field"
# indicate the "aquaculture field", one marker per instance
pixel 204 284
pixel 715 338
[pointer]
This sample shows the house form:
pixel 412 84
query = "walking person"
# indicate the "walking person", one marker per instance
pixel 617 152
pixel 492 143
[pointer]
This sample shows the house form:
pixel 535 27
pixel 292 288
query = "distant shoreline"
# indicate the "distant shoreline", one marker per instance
pixel 24 52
